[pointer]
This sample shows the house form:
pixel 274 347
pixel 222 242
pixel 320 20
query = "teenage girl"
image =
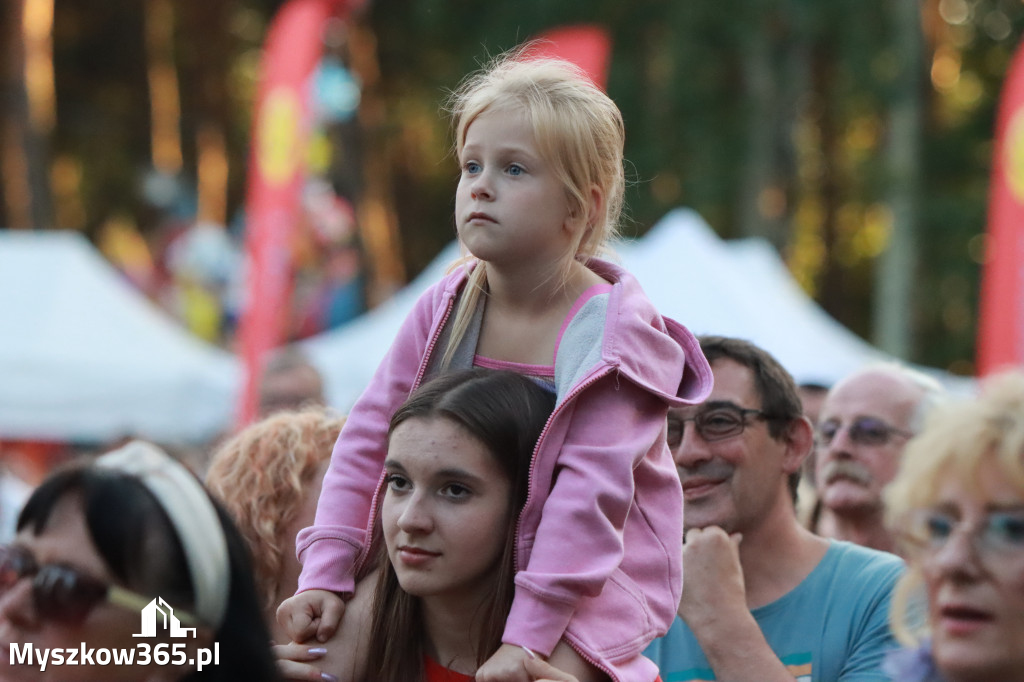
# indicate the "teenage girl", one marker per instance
pixel 598 546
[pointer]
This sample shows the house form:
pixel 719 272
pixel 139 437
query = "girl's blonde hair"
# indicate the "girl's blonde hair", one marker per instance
pixel 959 439
pixel 578 130
pixel 262 474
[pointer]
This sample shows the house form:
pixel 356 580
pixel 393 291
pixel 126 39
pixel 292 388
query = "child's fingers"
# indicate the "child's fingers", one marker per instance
pixel 300 627
pixel 296 621
pixel 542 671
pixel 330 617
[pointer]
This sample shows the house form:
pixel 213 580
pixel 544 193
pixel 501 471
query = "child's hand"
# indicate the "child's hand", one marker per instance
pixel 542 671
pixel 506 665
pixel 311 613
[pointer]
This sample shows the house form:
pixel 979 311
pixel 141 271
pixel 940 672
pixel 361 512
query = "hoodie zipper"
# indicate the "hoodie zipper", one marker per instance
pixel 536 448
pixel 529 496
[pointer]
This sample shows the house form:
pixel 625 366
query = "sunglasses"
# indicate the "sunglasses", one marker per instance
pixel 722 421
pixel 1000 534
pixel 862 431
pixel 64 594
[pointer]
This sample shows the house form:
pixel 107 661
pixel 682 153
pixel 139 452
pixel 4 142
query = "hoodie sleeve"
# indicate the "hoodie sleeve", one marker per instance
pixel 330 548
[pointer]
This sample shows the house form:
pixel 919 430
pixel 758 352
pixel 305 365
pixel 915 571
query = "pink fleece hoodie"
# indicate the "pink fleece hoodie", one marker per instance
pixel 599 541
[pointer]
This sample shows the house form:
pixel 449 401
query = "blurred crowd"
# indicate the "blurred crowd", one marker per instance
pixel 905 561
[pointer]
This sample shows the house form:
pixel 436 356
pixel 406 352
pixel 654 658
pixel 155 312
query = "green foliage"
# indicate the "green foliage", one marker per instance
pixel 767 116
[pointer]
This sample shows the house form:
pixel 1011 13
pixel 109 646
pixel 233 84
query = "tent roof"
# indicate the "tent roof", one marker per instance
pixel 734 288
pixel 85 357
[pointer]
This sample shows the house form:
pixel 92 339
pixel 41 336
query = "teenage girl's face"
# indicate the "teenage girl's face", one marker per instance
pixel 509 206
pixel 445 511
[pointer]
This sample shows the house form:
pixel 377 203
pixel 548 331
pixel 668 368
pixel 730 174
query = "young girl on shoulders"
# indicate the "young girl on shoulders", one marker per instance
pixel 598 541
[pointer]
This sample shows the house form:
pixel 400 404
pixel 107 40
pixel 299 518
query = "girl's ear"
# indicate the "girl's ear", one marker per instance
pixel 591 212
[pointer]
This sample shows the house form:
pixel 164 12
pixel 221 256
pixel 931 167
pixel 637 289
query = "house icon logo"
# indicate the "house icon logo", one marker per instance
pixel 160 611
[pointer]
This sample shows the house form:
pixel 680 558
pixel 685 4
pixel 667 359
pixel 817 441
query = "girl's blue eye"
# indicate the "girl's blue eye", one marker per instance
pixel 515 169
pixel 472 167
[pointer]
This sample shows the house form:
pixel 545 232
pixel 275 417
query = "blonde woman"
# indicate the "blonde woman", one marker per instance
pixel 958 505
pixel 268 477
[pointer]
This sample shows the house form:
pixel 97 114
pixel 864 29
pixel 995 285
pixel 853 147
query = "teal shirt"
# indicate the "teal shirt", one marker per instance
pixel 833 626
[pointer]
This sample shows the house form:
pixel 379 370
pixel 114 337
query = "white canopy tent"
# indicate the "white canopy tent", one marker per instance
pixel 735 288
pixel 85 357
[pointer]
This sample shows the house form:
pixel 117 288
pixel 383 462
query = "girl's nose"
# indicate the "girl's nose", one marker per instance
pixel 481 188
pixel 415 516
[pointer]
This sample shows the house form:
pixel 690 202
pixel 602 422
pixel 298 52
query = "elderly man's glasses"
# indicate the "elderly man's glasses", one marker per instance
pixel 62 593
pixel 862 431
pixel 714 422
pixel 997 534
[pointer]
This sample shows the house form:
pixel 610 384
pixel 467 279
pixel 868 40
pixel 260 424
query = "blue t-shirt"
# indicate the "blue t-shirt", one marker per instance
pixel 833 626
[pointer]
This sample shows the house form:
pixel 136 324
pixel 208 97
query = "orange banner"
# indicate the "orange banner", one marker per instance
pixel 1001 309
pixel 586 45
pixel 276 169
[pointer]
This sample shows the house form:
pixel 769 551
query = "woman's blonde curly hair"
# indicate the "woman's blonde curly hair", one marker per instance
pixel 262 475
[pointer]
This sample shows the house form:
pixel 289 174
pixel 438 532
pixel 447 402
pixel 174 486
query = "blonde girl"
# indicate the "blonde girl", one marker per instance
pixel 598 541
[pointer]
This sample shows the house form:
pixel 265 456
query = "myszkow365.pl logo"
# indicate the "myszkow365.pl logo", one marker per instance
pixel 157 618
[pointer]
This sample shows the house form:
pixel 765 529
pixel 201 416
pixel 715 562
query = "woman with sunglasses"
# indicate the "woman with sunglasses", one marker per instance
pixel 129 557
pixel 957 506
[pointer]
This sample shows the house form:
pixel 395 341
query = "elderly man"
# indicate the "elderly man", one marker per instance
pixel 863 427
pixel 764 598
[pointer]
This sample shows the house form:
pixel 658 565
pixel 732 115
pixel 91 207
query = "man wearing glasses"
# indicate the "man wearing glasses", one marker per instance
pixel 865 423
pixel 764 598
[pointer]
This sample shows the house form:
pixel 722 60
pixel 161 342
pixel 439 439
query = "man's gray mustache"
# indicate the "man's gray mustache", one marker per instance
pixel 853 471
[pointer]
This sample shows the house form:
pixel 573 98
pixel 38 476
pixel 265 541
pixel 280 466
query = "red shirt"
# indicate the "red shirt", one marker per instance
pixel 435 672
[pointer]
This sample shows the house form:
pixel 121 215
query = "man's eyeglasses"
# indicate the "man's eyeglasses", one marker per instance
pixel 999 535
pixel 64 594
pixel 718 422
pixel 862 431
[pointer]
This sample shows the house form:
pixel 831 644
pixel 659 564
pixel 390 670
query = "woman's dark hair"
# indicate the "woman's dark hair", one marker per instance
pixel 506 412
pixel 140 547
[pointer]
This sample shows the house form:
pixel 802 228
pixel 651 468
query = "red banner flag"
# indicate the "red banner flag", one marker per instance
pixel 276 169
pixel 585 45
pixel 1001 310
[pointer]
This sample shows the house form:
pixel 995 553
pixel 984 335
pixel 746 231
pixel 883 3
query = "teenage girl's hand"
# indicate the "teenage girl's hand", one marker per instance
pixel 311 613
pixel 506 665
pixel 542 671
pixel 295 662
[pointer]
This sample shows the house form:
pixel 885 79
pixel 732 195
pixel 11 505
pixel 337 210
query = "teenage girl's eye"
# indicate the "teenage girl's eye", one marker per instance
pixel 515 169
pixel 471 167
pixel 456 491
pixel 397 482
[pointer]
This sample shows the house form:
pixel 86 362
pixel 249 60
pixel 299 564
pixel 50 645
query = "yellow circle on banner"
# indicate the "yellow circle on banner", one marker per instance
pixel 1013 155
pixel 277 149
